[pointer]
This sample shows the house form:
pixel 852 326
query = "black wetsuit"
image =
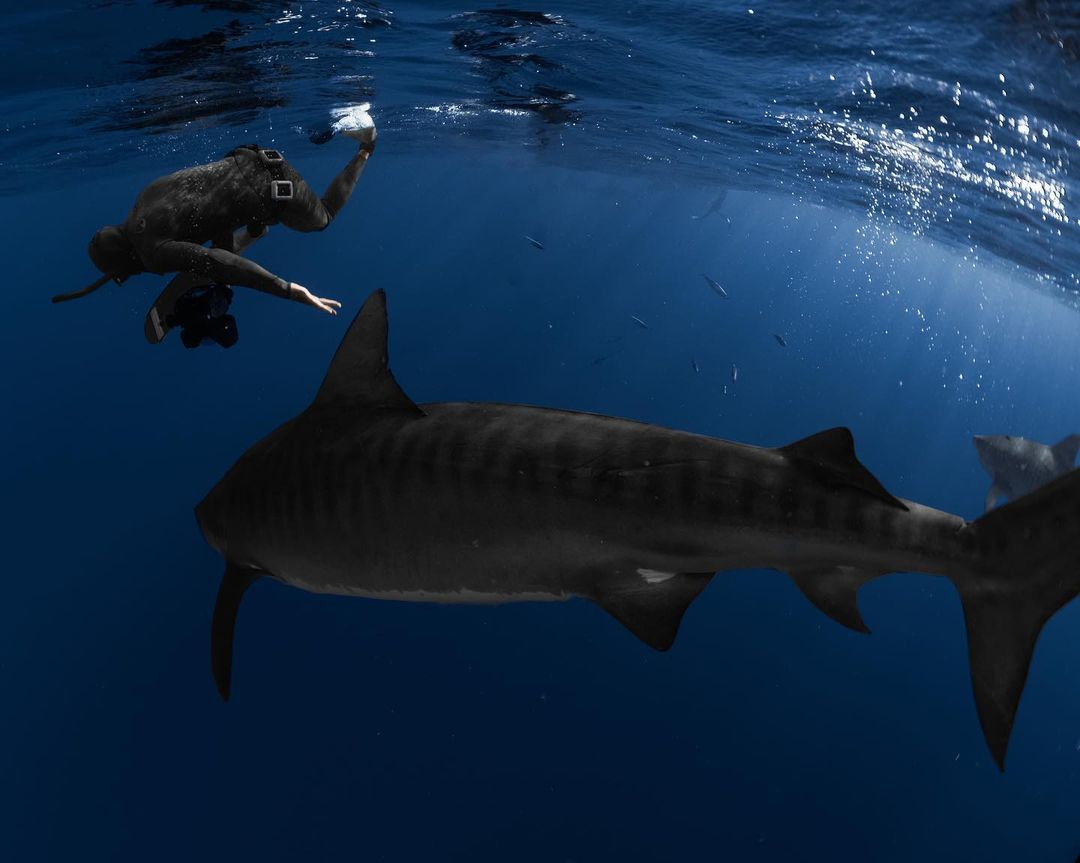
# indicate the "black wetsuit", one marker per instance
pixel 175 215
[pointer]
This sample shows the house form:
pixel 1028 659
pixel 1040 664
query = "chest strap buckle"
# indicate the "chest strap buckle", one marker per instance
pixel 281 190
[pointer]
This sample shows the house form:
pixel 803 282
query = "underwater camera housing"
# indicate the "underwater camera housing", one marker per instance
pixel 202 313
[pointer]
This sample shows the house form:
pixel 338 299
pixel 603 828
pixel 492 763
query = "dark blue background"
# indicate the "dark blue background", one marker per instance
pixel 385 731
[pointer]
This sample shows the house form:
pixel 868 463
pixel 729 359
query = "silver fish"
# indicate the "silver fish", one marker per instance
pixel 715 285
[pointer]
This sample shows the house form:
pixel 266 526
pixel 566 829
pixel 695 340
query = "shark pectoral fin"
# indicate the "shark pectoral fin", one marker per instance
pixel 359 374
pixel 834 590
pixel 1001 630
pixel 653 608
pixel 992 497
pixel 830 456
pixel 230 593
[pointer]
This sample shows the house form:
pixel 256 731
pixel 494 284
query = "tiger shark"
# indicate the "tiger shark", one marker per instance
pixel 366 493
pixel 1018 466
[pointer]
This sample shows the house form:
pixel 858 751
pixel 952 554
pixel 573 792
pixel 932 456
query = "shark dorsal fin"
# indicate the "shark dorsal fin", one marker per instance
pixel 1065 450
pixel 654 608
pixel 359 374
pixel 830 456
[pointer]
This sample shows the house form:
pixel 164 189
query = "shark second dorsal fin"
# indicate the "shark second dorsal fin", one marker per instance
pixel 654 608
pixel 1065 450
pixel 359 375
pixel 830 456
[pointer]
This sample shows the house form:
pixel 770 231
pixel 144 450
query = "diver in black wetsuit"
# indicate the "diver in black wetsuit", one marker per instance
pixel 175 215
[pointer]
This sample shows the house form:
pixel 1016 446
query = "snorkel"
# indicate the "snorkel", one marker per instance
pixel 82 292
pixel 113 254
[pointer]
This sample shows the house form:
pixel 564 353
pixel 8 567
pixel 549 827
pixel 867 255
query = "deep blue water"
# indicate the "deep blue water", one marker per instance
pixel 922 271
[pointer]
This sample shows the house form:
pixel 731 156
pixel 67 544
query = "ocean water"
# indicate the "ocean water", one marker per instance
pixel 890 187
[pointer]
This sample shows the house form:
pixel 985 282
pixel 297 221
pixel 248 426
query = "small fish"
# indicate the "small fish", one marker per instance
pixel 536 243
pixel 779 340
pixel 639 322
pixel 715 285
pixel 715 206
pixel 694 365
pixel 734 372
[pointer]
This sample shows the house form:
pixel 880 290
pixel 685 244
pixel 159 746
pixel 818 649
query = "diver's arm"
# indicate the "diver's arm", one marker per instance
pixel 307 212
pixel 218 265
pixel 341 187
pixel 222 266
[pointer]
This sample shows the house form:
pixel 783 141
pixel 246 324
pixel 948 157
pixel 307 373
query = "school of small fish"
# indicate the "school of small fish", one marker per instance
pixel 716 287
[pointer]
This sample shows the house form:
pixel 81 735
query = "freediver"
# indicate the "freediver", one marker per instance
pixel 247 190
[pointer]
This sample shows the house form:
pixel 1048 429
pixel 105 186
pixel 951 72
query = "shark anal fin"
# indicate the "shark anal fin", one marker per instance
pixel 653 608
pixel 359 375
pixel 830 457
pixel 233 585
pixel 834 590
pixel 1002 630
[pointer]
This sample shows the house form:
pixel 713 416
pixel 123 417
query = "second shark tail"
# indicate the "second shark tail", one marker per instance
pixel 1029 558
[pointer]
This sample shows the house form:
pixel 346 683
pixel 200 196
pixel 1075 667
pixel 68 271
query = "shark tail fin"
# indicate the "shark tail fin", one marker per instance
pixel 233 586
pixel 1032 547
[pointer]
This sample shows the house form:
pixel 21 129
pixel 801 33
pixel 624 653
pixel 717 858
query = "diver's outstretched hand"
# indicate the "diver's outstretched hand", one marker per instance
pixel 303 295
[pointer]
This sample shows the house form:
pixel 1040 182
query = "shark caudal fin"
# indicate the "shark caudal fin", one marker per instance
pixel 1029 551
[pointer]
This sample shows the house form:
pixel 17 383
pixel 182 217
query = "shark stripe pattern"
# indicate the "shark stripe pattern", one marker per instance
pixel 367 494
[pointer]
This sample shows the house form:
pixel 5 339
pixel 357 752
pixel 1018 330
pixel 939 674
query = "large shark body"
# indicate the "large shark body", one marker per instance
pixel 1017 466
pixel 367 494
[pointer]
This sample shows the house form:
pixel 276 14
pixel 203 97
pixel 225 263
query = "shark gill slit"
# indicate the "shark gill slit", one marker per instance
pixel 748 495
pixel 492 455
